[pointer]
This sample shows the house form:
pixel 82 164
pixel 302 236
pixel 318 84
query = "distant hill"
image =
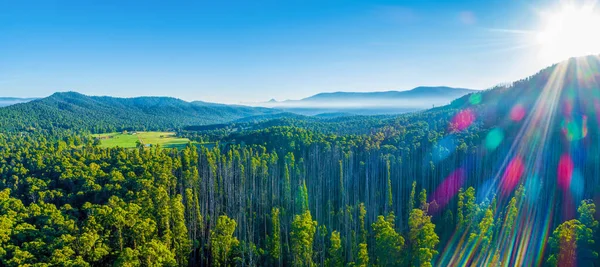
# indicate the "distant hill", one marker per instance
pixel 7 101
pixel 371 103
pixel 72 110
pixel 419 92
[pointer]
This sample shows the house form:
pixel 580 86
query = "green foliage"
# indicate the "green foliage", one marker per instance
pixel 388 243
pixel 275 242
pixel 460 210
pixel 423 200
pixel 422 238
pixel 302 237
pixel 572 242
pixel 411 198
pixel 335 258
pixel 470 206
pixel 361 217
pixel 483 235
pixel 302 198
pixel 222 241
pixel 363 256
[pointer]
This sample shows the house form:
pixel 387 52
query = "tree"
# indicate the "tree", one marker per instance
pixel 422 238
pixel 363 256
pixel 388 243
pixel 389 186
pixel 182 246
pixel 411 198
pixel 302 199
pixel 335 251
pixel 572 242
pixel 460 217
pixel 302 237
pixel 362 212
pixel 423 201
pixel 470 207
pixel 482 238
pixel 275 241
pixel 222 240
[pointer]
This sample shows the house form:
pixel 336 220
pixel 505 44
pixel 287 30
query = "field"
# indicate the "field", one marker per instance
pixel 129 140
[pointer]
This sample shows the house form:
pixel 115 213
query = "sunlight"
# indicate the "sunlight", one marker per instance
pixel 569 31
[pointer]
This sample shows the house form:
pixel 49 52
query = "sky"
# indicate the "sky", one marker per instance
pixel 252 51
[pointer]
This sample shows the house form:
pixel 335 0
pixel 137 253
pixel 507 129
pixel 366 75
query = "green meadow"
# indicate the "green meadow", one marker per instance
pixel 129 140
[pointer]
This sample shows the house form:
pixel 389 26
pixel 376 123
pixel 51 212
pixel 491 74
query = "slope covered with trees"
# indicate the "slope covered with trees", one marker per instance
pixel 79 112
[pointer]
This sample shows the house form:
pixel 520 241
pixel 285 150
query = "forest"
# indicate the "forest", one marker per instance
pixel 503 177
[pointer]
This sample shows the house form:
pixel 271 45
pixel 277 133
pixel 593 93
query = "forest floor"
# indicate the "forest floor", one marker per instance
pixel 129 140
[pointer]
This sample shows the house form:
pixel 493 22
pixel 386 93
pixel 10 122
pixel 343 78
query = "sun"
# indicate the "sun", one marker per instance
pixel 569 31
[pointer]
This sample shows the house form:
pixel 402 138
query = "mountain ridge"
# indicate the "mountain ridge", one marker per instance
pixel 76 110
pixel 371 103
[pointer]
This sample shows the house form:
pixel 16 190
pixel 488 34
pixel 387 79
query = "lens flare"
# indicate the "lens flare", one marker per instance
pixel 494 139
pixel 449 187
pixel 517 113
pixel 565 171
pixel 475 99
pixel 463 120
pixel 512 174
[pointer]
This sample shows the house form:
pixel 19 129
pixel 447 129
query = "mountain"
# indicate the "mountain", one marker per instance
pixel 371 103
pixel 418 92
pixel 71 110
pixel 7 101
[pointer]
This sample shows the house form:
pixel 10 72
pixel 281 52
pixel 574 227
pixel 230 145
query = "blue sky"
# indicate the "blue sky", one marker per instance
pixel 247 51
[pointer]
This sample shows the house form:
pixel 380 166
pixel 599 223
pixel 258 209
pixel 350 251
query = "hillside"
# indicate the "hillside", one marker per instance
pixel 372 103
pixel 72 110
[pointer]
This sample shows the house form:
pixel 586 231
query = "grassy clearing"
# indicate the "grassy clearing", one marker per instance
pixel 129 140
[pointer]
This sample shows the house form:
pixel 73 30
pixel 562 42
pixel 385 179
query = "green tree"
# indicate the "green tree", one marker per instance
pixel 388 186
pixel 363 256
pixel 388 243
pixel 460 217
pixel 423 201
pixel 335 251
pixel 222 240
pixel 411 198
pixel 302 237
pixel 302 199
pixel 572 242
pixel 182 246
pixel 482 238
pixel 275 241
pixel 422 238
pixel 362 212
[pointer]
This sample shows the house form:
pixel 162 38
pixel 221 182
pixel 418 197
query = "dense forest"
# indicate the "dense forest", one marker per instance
pixel 503 177
pixel 74 111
